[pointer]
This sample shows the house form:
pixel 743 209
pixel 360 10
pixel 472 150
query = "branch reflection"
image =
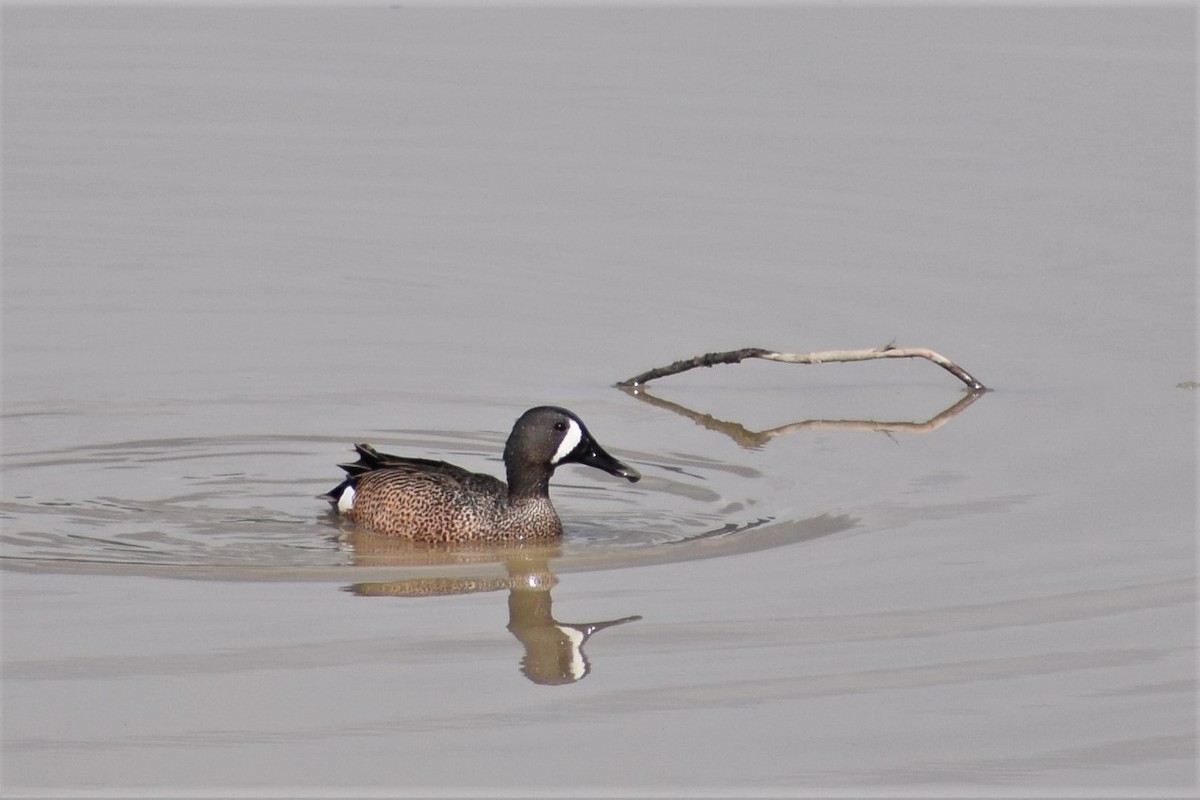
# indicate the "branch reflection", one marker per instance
pixel 755 439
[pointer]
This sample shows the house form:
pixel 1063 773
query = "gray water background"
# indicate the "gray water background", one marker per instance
pixel 236 240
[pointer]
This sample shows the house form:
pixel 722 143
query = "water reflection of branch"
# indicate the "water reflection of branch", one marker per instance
pixel 752 439
pixel 554 652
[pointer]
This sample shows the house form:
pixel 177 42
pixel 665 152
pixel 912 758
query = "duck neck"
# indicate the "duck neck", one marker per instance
pixel 528 481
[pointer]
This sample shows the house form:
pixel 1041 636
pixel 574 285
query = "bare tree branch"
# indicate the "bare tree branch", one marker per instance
pixel 735 356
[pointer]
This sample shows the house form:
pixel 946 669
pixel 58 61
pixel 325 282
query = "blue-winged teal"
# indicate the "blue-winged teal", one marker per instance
pixel 438 502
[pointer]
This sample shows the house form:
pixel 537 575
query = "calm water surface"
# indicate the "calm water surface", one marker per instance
pixel 238 240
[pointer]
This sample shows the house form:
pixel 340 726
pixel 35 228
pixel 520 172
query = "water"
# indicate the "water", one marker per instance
pixel 238 240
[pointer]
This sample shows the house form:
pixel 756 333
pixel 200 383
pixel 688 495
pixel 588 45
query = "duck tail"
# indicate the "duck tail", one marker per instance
pixel 368 459
pixel 341 497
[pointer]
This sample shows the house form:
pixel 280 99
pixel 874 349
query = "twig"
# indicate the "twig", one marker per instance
pixel 735 356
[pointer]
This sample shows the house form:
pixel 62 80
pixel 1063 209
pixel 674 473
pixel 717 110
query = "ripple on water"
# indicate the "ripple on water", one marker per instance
pixel 247 504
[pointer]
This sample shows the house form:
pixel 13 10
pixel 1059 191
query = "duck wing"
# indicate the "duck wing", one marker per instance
pixel 404 469
pixel 370 459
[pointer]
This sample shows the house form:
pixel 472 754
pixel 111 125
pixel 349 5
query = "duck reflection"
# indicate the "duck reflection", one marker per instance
pixel 554 650
pixel 755 439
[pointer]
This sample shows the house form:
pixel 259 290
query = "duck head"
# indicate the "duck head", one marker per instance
pixel 549 436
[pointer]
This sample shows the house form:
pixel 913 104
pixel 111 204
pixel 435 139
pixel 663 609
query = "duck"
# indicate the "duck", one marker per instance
pixel 433 501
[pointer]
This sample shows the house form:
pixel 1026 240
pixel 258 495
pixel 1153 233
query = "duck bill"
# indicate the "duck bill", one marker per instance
pixel 596 456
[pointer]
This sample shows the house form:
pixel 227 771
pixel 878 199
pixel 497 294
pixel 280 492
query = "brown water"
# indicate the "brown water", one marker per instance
pixel 237 240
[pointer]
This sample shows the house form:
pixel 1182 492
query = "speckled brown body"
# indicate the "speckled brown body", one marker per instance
pixel 433 501
pixel 446 507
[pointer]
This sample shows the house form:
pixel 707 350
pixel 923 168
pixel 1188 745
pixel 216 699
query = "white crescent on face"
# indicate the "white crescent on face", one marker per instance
pixel 570 440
